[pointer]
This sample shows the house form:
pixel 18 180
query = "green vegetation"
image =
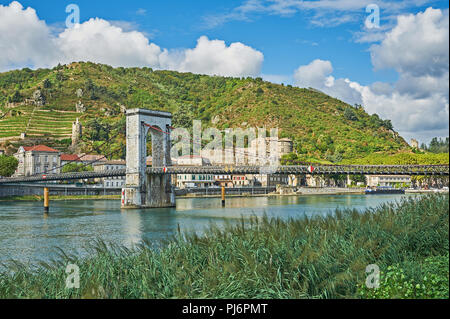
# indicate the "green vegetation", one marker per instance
pixel 322 127
pixel 401 159
pixel 322 257
pixel 8 165
pixel 76 167
pixel 437 146
pixel 430 282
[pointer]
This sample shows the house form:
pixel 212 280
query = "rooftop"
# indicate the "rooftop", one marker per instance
pixel 70 158
pixel 39 148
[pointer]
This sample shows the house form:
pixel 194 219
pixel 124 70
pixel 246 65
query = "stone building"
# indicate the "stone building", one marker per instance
pixel 77 132
pixel 414 143
pixel 110 182
pixel 39 159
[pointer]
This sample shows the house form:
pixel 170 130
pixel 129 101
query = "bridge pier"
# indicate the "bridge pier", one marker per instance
pixel 143 190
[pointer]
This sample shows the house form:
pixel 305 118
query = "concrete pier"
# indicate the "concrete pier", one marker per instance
pixel 142 190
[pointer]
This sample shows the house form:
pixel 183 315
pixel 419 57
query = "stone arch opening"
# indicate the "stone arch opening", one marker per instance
pixel 143 190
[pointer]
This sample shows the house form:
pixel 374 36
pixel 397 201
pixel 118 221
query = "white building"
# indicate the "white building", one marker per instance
pixel 194 180
pixel 105 166
pixel 39 159
pixel 388 180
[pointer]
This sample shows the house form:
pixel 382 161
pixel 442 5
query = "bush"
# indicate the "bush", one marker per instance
pixel 8 165
pixel 396 283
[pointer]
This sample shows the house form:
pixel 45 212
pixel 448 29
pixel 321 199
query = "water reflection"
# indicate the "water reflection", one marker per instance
pixel 27 235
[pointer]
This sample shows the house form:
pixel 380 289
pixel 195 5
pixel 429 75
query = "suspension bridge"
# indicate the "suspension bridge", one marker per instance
pixel 150 187
pixel 412 170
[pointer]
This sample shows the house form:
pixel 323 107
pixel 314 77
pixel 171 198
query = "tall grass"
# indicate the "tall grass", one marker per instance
pixel 265 258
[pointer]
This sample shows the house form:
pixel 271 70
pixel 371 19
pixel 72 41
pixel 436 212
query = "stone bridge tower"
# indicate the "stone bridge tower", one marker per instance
pixel 142 190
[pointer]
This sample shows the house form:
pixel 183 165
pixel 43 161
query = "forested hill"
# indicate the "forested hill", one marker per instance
pixel 322 127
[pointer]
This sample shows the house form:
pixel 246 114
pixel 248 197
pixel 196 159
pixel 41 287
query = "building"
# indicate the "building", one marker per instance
pixel 414 143
pixel 69 158
pixel 77 132
pixel 233 180
pixel 388 180
pixel 282 147
pixel 110 182
pixel 39 159
pixel 90 159
pixel 194 180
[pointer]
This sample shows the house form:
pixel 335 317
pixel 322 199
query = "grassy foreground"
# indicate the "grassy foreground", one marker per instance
pixel 268 258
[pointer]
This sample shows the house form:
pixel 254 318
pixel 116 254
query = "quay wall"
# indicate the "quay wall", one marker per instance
pixel 10 190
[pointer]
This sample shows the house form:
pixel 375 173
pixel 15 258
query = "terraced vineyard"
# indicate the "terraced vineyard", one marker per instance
pixel 38 123
pixel 321 127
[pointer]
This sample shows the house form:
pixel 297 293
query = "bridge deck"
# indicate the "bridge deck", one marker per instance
pixel 413 170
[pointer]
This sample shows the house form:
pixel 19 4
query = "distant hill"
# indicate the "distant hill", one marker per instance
pixel 44 102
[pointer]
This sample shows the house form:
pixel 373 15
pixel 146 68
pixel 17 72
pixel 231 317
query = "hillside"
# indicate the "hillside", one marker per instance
pixel 321 127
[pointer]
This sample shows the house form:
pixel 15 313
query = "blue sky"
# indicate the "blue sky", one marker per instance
pixel 287 41
pixel 287 33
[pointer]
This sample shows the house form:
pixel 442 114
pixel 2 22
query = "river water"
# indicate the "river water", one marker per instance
pixel 27 235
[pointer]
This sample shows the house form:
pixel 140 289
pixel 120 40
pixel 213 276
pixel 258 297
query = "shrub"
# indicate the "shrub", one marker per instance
pixel 396 283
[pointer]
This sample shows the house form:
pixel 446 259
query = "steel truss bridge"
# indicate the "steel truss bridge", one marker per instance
pixel 412 170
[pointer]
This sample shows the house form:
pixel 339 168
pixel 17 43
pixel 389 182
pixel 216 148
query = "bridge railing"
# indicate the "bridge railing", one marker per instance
pixel 436 170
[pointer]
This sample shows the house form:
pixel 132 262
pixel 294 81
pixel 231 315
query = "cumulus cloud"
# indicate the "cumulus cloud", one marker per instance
pixel 26 40
pixel 418 103
pixel 317 75
pixel 98 41
pixel 418 45
pixel 313 74
pixel 214 57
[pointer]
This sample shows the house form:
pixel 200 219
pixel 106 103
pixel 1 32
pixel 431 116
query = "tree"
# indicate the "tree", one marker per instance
pixel 16 97
pixel 47 84
pixel 8 165
pixel 388 124
pixel 350 115
pixel 76 168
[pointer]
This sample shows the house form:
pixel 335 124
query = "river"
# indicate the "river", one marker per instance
pixel 28 236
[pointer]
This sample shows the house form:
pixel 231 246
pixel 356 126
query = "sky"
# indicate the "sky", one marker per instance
pixel 392 57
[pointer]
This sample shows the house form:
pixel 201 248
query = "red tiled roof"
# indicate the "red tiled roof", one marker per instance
pixel 70 158
pixel 40 148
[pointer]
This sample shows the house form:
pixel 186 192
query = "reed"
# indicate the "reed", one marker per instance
pixel 262 258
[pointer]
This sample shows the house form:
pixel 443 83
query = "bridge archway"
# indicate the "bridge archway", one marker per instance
pixel 143 190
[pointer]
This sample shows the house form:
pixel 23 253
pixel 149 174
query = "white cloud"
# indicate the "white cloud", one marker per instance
pixel 323 12
pixel 418 103
pixel 27 41
pixel 214 57
pixel 317 75
pixel 98 41
pixel 24 39
pixel 313 74
pixel 417 45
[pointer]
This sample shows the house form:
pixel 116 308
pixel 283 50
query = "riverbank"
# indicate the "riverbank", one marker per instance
pixel 321 257
pixel 300 192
